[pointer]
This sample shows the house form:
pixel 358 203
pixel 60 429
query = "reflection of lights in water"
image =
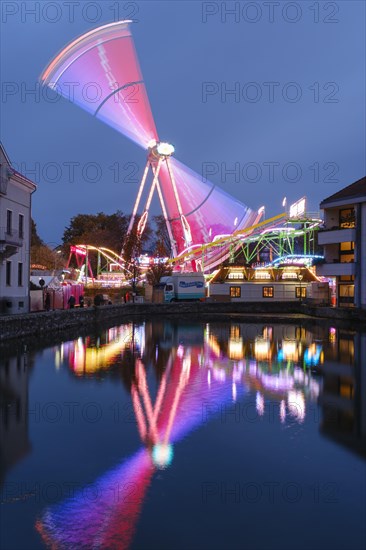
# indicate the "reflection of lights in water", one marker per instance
pixel 187 361
pixel 207 332
pixel 314 388
pixel 234 391
pixel 209 378
pixel 277 382
pixel 214 345
pixel 299 375
pixel 283 411
pixel 236 375
pixel 252 368
pixel 180 351
pixel 58 357
pixel 186 368
pixel 290 350
pixel 262 348
pixel 219 374
pixel 259 403
pixel 79 356
pixel 332 334
pixel 296 405
pixel 162 455
pixel 235 348
pixel 313 354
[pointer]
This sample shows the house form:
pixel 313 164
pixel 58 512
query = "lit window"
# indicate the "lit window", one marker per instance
pixel 262 275
pixel 347 218
pixel 268 292
pixel 236 275
pixel 289 275
pixel 347 246
pixel 301 292
pixel 235 291
pixel 347 258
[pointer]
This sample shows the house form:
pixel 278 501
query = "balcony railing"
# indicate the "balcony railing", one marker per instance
pixel 336 235
pixel 13 237
pixel 336 269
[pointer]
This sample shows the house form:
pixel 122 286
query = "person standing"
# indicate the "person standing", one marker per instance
pixel 71 302
pixel 81 300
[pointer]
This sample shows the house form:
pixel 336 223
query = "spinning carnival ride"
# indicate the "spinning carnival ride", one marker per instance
pixel 196 212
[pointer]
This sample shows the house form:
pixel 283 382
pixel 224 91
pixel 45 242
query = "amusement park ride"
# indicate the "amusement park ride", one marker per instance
pixel 206 226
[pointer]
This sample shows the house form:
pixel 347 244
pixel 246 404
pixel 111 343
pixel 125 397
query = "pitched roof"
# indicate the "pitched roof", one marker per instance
pixel 15 172
pixel 354 191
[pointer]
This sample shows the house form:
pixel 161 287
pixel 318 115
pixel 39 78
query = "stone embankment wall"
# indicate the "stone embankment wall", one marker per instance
pixel 80 320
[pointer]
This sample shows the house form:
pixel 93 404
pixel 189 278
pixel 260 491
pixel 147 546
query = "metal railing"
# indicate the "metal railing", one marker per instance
pixel 12 237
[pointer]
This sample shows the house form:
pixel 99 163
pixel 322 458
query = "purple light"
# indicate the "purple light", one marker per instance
pixel 100 72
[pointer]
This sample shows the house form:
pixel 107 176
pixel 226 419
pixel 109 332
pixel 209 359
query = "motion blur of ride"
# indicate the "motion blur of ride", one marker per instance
pixel 206 226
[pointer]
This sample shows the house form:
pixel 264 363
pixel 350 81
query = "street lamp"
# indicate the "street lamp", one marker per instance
pixel 57 252
pixel 300 277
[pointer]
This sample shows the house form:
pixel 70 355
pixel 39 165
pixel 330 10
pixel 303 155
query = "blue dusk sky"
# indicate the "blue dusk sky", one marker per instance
pixel 266 97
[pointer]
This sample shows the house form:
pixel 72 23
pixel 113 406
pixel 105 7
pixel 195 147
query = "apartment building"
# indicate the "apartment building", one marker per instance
pixel 15 224
pixel 344 242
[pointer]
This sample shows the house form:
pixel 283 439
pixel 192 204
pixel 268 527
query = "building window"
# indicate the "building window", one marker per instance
pixel 346 293
pixel 347 247
pixel 347 218
pixel 236 275
pixel 262 275
pixel 347 258
pixel 268 292
pixel 8 273
pixel 235 291
pixel 9 221
pixel 20 274
pixel 347 252
pixel 346 277
pixel 300 292
pixel 21 226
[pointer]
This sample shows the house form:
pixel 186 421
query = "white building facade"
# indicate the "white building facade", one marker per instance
pixel 15 235
pixel 344 242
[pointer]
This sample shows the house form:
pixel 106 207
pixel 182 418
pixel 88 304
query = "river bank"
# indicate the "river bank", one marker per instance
pixel 75 322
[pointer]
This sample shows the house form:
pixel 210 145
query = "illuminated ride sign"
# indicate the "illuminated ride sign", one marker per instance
pixel 298 208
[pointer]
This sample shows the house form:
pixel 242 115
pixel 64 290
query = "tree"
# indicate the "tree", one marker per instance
pixel 157 271
pixel 162 244
pixel 42 257
pixel 100 230
pixel 35 238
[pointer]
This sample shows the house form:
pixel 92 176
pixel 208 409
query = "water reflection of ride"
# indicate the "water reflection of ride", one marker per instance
pixel 108 521
pixel 217 369
pixel 269 361
pixel 90 356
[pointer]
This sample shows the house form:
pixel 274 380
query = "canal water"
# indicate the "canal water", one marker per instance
pixel 164 435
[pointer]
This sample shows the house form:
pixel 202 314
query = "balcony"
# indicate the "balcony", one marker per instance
pixel 337 235
pixel 9 243
pixel 335 269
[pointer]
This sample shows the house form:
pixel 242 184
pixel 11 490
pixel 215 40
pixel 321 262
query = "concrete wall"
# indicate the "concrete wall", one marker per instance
pixel 77 321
